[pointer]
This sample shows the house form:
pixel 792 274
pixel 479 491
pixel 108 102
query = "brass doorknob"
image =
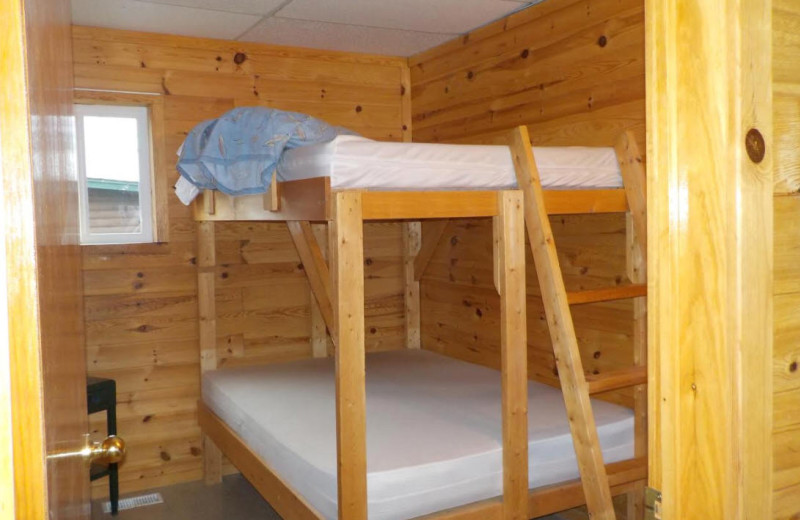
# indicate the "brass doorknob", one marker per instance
pixel 110 451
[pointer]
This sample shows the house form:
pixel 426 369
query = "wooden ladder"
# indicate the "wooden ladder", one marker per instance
pixel 576 386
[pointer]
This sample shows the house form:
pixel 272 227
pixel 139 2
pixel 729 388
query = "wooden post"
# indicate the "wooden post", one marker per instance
pixel 319 330
pixel 632 166
pixel 709 167
pixel 637 273
pixel 206 301
pixel 347 277
pixel 509 261
pixel 412 232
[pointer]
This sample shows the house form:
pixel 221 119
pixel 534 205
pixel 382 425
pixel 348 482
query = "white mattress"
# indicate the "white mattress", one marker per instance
pixel 356 162
pixel 434 435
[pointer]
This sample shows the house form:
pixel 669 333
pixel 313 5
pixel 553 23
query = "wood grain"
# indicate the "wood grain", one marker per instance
pixel 43 350
pixel 412 238
pixel 710 230
pixel 567 69
pixel 509 260
pixel 562 331
pixel 786 161
pixel 141 300
pixel 544 67
pixel 285 500
pixel 207 332
pixel 315 266
pixel 347 274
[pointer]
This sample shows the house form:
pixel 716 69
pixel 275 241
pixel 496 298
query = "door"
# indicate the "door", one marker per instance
pixel 44 381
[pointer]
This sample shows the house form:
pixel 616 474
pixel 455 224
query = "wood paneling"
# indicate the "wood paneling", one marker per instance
pixel 786 354
pixel 460 308
pixel 141 300
pixel 573 72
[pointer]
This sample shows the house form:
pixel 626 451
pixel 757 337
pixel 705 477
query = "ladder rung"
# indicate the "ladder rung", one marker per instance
pixel 607 294
pixel 599 383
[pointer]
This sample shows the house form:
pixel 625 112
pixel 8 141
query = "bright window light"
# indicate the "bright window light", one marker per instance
pixel 114 174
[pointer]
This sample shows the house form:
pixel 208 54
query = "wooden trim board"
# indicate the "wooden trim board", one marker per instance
pixel 285 500
pixel 310 199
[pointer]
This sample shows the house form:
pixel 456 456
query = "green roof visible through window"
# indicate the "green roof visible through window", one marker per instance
pixel 111 184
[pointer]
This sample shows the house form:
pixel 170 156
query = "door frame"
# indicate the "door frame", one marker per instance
pixel 710 202
pixel 43 394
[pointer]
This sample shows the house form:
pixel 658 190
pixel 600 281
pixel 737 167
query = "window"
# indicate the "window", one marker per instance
pixel 114 174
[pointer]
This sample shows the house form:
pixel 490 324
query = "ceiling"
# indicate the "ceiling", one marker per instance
pixel 392 27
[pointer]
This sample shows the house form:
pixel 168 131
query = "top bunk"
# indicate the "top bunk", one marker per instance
pixel 399 181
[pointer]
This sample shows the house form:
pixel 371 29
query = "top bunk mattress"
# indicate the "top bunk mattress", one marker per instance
pixel 434 430
pixel 358 163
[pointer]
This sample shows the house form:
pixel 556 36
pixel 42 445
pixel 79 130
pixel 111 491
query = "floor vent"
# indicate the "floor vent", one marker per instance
pixel 132 502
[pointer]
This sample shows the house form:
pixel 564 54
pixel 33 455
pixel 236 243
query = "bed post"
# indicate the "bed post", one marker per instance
pixel 319 330
pixel 412 238
pixel 509 267
pixel 206 273
pixel 633 176
pixel 412 232
pixel 346 242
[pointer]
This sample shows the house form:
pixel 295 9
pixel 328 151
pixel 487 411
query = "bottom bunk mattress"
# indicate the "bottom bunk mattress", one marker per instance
pixel 434 432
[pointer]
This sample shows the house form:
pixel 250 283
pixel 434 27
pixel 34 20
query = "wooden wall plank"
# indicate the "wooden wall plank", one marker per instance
pixel 786 355
pixel 141 303
pixel 573 72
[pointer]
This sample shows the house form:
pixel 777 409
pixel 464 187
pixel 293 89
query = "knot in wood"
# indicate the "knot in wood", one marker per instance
pixel 755 145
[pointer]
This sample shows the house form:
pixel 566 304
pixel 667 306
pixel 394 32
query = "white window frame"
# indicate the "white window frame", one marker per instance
pixel 142 116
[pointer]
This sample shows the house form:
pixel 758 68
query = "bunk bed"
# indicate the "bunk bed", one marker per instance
pixel 277 438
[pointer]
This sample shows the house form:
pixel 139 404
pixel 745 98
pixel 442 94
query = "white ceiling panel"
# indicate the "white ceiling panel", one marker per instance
pixel 393 27
pixel 343 37
pixel 259 7
pixel 434 16
pixel 144 16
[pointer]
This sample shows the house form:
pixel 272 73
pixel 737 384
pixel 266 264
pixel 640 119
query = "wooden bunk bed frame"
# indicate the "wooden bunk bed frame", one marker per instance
pixel 338 290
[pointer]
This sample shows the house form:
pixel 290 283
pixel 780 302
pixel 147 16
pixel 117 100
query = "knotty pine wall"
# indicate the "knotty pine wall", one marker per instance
pixel 786 384
pixel 141 300
pixel 573 72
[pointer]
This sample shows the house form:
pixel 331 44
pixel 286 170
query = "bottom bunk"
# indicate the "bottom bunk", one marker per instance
pixel 434 436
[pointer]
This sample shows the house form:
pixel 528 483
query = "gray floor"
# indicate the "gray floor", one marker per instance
pixel 234 499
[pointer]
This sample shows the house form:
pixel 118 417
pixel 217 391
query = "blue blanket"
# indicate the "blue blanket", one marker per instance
pixel 237 152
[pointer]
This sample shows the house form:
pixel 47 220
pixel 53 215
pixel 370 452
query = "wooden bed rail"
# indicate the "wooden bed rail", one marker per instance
pixel 310 199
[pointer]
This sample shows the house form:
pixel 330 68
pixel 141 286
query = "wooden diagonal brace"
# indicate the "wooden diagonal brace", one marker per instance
pixel 633 176
pixel 432 233
pixel 315 267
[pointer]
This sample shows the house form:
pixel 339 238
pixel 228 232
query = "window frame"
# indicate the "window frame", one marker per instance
pixel 142 117
pixel 159 189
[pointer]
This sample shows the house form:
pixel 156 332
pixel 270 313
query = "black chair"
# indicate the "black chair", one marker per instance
pixel 101 394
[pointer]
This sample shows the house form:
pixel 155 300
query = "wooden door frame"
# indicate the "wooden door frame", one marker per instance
pixel 709 133
pixel 41 261
pixel 23 434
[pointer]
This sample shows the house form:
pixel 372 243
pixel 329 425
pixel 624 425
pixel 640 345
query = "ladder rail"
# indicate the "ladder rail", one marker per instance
pixel 562 332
